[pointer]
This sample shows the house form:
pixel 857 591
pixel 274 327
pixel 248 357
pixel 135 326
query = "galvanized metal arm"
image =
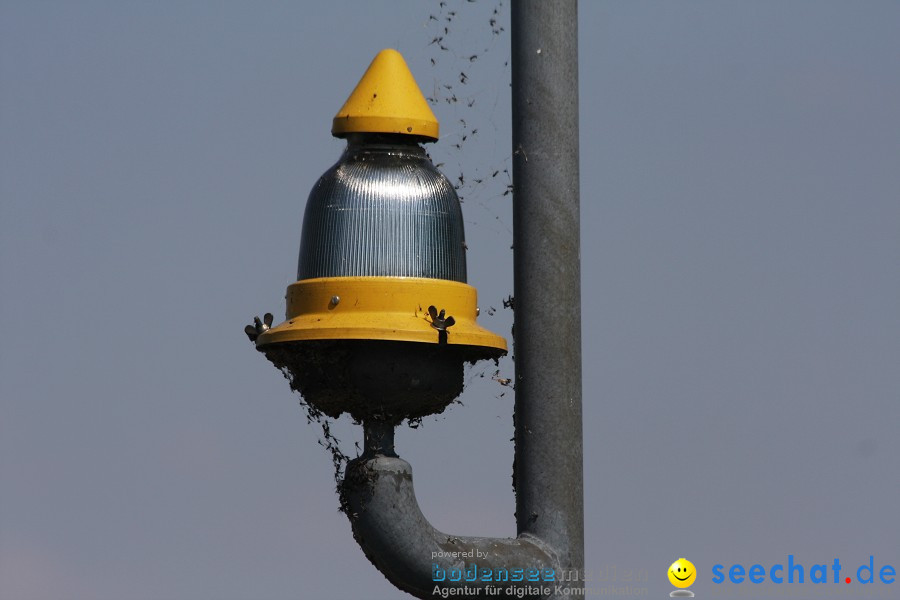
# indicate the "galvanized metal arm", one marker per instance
pixel 377 494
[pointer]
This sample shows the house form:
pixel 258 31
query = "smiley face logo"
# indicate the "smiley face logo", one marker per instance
pixel 682 573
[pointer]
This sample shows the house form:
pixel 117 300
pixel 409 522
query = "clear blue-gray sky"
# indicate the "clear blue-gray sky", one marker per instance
pixel 741 289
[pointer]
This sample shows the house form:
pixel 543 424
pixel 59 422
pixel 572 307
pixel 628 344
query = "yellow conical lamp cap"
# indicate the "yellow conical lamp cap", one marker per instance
pixel 386 100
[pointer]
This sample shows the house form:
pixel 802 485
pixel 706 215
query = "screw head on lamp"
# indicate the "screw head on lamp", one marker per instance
pixel 383 234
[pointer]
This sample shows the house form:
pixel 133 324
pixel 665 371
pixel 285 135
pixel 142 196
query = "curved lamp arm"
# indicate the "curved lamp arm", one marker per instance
pixel 378 496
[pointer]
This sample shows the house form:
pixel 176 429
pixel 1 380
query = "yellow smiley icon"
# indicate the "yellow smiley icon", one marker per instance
pixel 682 573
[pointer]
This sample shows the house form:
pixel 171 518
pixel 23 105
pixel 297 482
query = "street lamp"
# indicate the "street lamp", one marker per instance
pixel 381 321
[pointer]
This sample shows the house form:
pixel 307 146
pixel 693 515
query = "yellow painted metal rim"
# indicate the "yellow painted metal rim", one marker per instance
pixel 344 124
pixel 380 308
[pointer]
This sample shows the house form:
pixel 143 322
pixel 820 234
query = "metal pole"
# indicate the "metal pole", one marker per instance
pixel 548 463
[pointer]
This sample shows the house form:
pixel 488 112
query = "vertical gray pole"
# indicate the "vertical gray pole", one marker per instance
pixel 548 464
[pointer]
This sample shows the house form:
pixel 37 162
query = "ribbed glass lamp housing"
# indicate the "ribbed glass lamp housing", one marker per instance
pixel 383 210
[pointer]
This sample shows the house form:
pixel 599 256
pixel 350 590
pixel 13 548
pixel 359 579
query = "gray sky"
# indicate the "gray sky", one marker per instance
pixel 741 289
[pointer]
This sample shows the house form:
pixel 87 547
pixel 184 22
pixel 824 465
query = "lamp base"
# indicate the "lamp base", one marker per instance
pixel 372 379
